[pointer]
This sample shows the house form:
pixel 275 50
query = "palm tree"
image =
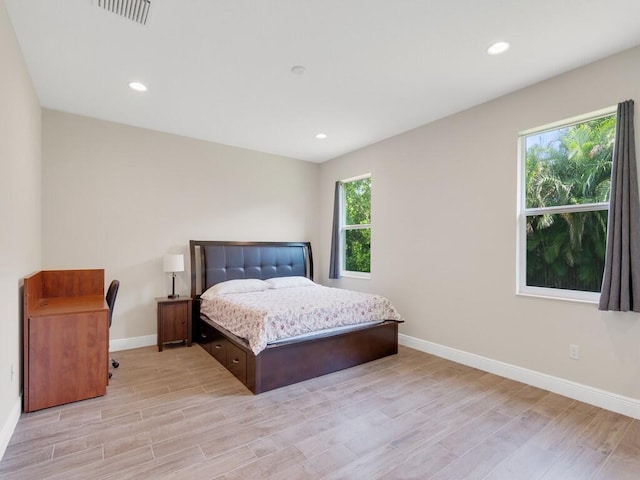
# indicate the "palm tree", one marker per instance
pixel 566 249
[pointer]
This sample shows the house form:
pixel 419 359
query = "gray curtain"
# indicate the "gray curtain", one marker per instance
pixel 334 266
pixel 621 282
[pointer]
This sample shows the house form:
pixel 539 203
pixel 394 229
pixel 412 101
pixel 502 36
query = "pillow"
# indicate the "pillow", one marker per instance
pixel 287 282
pixel 236 286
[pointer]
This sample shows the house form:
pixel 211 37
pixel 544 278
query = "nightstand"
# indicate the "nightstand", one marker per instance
pixel 174 320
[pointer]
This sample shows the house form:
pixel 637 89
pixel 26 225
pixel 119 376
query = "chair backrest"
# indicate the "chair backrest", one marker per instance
pixel 112 292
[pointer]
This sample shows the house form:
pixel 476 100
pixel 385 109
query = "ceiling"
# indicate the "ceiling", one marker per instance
pixel 220 70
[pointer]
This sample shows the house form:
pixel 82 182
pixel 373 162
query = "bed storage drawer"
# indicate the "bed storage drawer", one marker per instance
pixel 218 350
pixel 213 342
pixel 237 362
pixel 224 351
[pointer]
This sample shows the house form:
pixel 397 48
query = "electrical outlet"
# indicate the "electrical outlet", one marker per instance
pixel 574 352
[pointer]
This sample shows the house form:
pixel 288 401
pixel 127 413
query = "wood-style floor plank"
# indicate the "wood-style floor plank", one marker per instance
pixel 178 414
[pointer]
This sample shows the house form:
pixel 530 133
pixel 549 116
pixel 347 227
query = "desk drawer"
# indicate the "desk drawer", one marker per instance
pixel 237 362
pixel 67 358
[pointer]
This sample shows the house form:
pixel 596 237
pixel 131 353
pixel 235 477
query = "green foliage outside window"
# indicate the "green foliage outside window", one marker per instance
pixel 564 168
pixel 357 213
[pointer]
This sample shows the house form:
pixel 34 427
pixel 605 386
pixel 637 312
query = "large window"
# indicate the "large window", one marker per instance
pixel 564 201
pixel 355 230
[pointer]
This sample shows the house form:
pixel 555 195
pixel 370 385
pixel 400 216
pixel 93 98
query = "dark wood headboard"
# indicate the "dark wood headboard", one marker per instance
pixel 216 261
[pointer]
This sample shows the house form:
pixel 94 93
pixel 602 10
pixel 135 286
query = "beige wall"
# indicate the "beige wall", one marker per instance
pixel 120 197
pixel 19 208
pixel 444 234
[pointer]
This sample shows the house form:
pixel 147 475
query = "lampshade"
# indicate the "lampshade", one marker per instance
pixel 174 263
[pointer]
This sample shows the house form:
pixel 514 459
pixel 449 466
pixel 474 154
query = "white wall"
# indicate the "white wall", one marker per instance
pixel 120 197
pixel 444 234
pixel 20 212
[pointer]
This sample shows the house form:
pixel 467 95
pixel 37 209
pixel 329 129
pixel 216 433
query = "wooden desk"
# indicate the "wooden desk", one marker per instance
pixel 66 337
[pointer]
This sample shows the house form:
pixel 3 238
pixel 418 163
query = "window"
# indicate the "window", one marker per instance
pixel 355 226
pixel 564 201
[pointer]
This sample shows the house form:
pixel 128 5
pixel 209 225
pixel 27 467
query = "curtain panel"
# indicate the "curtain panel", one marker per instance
pixel 621 281
pixel 334 260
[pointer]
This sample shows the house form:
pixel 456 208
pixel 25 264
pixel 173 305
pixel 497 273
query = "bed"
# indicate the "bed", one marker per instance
pixel 285 361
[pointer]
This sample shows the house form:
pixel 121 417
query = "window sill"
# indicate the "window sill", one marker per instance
pixel 557 294
pixel 362 276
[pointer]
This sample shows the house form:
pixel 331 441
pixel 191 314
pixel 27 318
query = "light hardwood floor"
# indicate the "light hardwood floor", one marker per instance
pixel 179 415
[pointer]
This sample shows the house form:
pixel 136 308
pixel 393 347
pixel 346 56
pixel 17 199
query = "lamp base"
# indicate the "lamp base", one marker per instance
pixel 173 287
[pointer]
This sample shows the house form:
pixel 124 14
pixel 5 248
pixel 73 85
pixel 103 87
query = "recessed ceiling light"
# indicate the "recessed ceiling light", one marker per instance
pixel 498 48
pixel 321 136
pixel 137 86
pixel 298 70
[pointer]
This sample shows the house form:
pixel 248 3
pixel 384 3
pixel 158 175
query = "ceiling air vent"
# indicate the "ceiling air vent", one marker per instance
pixel 136 10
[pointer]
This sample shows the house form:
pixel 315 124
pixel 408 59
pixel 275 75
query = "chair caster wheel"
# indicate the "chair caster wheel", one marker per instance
pixel 115 364
pixel 110 375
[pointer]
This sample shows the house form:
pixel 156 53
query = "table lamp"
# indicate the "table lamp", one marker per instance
pixel 173 263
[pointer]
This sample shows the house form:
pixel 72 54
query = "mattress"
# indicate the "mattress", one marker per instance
pixel 268 316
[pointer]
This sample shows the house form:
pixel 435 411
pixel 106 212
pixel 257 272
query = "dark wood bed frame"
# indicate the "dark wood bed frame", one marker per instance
pixel 284 363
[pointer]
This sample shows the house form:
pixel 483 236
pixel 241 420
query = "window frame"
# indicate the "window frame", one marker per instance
pixel 344 227
pixel 523 212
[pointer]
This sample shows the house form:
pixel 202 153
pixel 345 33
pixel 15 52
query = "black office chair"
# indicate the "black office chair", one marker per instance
pixel 112 293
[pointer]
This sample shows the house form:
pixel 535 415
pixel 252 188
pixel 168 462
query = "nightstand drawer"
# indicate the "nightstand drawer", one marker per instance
pixel 237 361
pixel 174 318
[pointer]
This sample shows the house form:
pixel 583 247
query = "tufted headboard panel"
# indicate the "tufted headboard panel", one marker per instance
pixel 214 261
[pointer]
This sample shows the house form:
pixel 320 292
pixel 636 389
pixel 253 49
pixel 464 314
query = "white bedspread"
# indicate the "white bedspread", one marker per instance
pixel 270 315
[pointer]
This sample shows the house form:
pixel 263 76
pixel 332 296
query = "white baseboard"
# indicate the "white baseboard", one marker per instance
pixel 9 426
pixel 132 342
pixel 584 393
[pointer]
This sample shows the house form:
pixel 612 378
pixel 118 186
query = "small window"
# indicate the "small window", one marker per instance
pixel 355 231
pixel 564 202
